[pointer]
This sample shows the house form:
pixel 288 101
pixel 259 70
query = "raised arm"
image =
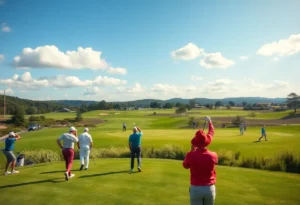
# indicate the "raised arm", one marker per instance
pixel 211 130
pixel 138 129
pixel 17 137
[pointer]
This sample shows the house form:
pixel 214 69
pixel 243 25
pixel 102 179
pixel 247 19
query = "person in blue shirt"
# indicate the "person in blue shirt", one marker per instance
pixel 263 133
pixel 135 147
pixel 8 152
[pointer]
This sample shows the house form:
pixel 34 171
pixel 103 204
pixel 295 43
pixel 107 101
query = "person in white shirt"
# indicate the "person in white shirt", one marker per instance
pixel 85 144
pixel 68 149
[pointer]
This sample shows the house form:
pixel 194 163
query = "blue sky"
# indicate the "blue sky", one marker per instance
pixel 126 50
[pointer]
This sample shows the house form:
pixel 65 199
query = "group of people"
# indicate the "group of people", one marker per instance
pixel 199 159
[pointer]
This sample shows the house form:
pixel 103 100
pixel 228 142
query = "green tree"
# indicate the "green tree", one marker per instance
pixel 31 110
pixel 168 105
pixel 78 116
pixel 154 104
pixel 218 104
pixel 293 101
pixel 180 110
pixel 18 116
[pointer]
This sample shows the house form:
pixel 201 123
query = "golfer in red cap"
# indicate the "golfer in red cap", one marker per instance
pixel 201 163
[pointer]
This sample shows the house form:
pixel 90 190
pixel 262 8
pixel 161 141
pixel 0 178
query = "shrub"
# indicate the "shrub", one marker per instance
pixel 41 156
pixel 238 120
pixel 228 158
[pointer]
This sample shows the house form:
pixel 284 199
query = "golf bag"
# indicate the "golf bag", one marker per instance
pixel 20 160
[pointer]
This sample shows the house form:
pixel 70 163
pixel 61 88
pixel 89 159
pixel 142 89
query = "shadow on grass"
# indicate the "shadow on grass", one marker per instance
pixel 256 141
pixel 56 180
pixel 52 172
pixel 103 174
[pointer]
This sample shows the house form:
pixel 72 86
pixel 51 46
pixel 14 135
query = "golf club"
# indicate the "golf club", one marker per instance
pixel 204 125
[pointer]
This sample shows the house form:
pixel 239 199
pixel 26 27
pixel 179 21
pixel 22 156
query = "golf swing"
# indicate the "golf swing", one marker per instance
pixel 8 152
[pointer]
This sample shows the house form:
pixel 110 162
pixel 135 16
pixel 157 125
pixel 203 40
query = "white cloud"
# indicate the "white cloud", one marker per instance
pixel 216 60
pixel 275 85
pixel 121 71
pixel 220 85
pixel 164 88
pixel 5 28
pixel 191 88
pixel 2 57
pixel 108 81
pixel 283 47
pixel 188 52
pixel 51 57
pixel 24 82
pixel 8 91
pixel 196 78
pixel 244 57
pixel 91 91
pixel 61 81
pixel 276 59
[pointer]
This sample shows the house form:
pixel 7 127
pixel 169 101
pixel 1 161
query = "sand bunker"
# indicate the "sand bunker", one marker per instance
pixel 117 113
pixel 103 114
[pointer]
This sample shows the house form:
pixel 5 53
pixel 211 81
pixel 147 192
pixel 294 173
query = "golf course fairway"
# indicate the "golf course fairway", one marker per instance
pixel 161 182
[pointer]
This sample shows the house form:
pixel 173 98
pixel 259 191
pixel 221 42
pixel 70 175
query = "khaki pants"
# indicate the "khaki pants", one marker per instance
pixel 202 195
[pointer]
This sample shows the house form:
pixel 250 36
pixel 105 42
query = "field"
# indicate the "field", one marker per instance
pixel 162 181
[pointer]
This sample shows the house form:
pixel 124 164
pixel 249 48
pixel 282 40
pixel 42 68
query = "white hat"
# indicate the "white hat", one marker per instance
pixel 86 129
pixel 72 129
pixel 12 134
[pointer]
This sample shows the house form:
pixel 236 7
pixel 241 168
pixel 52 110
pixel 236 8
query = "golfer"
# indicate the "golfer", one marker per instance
pixel 124 126
pixel 85 144
pixel 201 163
pixel 68 149
pixel 8 152
pixel 263 133
pixel 241 128
pixel 135 147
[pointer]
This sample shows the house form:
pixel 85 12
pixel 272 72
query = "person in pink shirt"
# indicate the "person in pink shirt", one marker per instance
pixel 201 163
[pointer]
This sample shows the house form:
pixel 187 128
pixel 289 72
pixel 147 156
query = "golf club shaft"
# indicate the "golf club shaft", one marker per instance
pixel 204 125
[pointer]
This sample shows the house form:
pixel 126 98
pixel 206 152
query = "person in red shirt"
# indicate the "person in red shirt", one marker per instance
pixel 201 163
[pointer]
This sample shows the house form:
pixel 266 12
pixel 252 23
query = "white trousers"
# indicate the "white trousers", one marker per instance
pixel 85 156
pixel 202 195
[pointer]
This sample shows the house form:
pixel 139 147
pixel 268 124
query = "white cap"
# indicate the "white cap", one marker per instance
pixel 86 129
pixel 72 129
pixel 12 134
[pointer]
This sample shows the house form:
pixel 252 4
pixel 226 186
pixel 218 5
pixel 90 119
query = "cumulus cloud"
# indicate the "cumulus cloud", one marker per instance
pixel 164 88
pixel 191 88
pixel 5 28
pixel 216 60
pixel 91 91
pixel 244 57
pixel 220 85
pixel 137 88
pixel 8 91
pixel 51 57
pixel 60 81
pixel 275 85
pixel 121 71
pixel 283 47
pixel 2 57
pixel 196 78
pixel 188 52
pixel 24 82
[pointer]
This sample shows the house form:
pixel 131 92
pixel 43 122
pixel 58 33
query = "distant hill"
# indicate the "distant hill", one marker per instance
pixel 52 105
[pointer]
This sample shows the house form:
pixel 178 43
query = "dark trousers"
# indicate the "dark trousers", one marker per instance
pixel 136 152
pixel 68 156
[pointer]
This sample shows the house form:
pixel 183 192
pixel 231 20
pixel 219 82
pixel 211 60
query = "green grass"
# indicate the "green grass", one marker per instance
pixel 274 115
pixel 281 138
pixel 161 182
